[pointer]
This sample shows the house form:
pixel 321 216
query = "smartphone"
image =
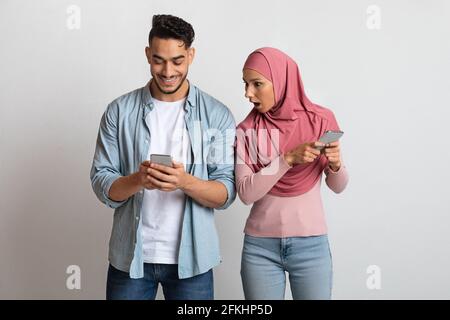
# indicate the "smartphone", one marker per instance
pixel 163 159
pixel 330 136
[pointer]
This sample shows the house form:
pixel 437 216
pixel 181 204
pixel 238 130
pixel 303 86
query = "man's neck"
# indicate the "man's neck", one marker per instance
pixel 180 94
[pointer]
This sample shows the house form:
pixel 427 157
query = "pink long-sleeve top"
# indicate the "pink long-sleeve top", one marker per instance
pixel 280 217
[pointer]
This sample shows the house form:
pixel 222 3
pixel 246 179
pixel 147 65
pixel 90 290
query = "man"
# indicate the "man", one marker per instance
pixel 163 229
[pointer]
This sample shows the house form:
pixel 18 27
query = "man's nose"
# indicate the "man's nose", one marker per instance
pixel 167 69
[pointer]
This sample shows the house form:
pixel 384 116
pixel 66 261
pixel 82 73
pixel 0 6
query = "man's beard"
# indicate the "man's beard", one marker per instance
pixel 173 91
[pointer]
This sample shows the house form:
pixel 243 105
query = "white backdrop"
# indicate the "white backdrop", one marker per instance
pixel 381 66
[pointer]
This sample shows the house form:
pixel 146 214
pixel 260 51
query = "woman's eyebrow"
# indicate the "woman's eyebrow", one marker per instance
pixel 251 80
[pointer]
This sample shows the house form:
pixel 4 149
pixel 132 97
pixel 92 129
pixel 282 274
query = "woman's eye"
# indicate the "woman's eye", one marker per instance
pixel 258 84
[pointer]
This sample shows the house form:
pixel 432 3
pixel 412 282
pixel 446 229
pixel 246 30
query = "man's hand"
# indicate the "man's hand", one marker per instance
pixel 211 194
pixel 165 178
pixel 125 187
pixel 143 177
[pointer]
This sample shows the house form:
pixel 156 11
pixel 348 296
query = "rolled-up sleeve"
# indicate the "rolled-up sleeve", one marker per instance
pixel 220 160
pixel 106 162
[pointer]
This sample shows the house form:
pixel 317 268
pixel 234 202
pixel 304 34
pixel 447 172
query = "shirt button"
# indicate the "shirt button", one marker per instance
pixel 137 218
pixel 146 141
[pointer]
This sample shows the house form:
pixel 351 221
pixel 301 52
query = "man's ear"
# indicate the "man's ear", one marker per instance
pixel 191 54
pixel 148 54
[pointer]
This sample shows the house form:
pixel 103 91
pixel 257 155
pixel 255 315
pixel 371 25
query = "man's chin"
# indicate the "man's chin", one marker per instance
pixel 168 89
pixel 169 92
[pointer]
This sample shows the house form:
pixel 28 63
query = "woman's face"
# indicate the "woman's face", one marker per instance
pixel 258 90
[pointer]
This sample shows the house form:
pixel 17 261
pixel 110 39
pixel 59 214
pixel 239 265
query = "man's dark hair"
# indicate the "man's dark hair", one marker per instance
pixel 166 26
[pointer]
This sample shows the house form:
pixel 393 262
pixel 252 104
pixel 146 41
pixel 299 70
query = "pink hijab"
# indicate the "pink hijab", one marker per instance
pixel 296 119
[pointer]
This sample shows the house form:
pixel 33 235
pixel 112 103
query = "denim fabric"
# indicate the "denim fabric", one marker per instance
pixel 307 260
pixel 121 287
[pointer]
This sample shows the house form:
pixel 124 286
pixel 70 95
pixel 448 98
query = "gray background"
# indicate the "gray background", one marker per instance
pixel 387 87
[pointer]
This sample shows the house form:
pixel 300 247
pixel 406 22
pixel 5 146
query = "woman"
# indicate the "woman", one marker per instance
pixel 279 168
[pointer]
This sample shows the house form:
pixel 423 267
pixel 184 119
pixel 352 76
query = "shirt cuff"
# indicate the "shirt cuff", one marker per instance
pixel 341 169
pixel 107 186
pixel 283 163
pixel 231 193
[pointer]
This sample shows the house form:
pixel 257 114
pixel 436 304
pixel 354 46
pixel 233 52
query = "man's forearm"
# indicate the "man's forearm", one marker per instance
pixel 124 187
pixel 212 194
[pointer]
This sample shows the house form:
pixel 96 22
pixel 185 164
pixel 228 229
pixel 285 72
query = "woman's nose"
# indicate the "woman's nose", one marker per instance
pixel 248 93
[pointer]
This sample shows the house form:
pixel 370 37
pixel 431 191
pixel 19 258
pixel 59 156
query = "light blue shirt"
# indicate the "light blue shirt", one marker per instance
pixel 122 144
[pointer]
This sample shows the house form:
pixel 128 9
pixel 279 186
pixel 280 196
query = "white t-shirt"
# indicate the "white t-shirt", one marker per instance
pixel 163 212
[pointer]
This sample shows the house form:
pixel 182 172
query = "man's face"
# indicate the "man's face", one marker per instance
pixel 169 61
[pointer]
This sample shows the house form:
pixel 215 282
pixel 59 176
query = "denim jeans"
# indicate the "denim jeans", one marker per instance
pixel 307 260
pixel 121 287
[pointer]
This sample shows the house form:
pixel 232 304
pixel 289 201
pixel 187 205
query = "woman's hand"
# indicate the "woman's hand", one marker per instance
pixel 333 154
pixel 304 153
pixel 308 152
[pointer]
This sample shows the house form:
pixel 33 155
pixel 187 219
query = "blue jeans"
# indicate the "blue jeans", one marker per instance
pixel 121 287
pixel 307 260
